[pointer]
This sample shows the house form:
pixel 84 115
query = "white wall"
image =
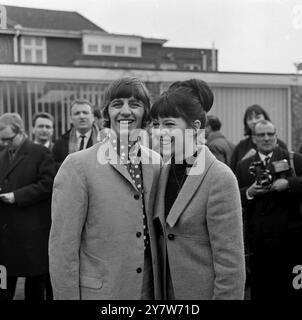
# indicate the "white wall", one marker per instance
pixel 230 104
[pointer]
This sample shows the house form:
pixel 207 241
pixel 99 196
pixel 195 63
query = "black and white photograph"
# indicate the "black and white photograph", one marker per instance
pixel 151 150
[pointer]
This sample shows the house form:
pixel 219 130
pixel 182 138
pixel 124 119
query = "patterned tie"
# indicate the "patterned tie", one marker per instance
pixel 135 170
pixel 132 162
pixel 82 142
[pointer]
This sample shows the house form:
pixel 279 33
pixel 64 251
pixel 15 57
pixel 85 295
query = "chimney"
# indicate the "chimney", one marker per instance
pixel 214 67
pixel 204 60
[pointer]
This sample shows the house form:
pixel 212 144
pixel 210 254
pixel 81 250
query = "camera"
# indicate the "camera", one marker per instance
pixel 281 169
pixel 265 177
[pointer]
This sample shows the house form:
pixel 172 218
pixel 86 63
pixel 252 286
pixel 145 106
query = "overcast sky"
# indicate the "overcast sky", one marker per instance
pixel 251 35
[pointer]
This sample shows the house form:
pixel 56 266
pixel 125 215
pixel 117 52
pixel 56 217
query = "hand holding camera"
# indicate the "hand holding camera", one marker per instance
pixel 263 177
pixel 269 180
pixel 256 189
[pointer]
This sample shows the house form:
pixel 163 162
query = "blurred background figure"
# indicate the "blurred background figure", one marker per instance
pixel 42 130
pixel 27 172
pixel 98 118
pixel 83 134
pixel 217 142
pixel 43 125
pixel 246 147
pixel 271 194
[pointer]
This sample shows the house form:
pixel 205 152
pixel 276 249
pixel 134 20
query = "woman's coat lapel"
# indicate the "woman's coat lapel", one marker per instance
pixel 195 177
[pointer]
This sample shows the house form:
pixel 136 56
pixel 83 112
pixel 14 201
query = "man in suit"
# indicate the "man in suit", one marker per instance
pixel 102 241
pixel 273 216
pixel 83 134
pixel 43 129
pixel 27 171
pixel 217 142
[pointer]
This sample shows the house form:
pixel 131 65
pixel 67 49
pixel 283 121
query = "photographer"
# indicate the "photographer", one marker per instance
pixel 271 187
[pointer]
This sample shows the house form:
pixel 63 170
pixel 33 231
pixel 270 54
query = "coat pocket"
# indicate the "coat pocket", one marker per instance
pixel 90 282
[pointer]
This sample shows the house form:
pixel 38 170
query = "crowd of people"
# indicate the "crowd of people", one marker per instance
pixel 149 201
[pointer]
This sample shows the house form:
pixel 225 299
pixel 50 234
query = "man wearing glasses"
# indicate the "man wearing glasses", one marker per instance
pixel 271 187
pixel 27 171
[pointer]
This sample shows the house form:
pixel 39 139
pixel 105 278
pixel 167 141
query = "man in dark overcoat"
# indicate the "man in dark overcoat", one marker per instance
pixel 27 171
pixel 83 134
pixel 273 215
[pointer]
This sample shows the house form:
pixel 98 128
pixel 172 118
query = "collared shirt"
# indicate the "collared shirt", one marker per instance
pixel 47 144
pixel 79 138
pixel 263 156
pixel 130 156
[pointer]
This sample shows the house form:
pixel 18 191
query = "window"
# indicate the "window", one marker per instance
pixel 39 56
pixel 92 48
pixel 27 54
pixel 33 50
pixel 132 50
pixel 111 45
pixel 39 42
pixel 27 41
pixel 106 48
pixel 192 67
pixel 119 49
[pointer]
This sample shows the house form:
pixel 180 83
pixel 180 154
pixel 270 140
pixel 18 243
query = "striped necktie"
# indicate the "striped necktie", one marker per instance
pixel 82 142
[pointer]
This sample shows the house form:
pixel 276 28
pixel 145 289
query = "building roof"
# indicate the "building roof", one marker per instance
pixel 48 19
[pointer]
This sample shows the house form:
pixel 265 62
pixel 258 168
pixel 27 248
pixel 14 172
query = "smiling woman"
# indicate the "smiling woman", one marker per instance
pixel 197 214
pixel 246 147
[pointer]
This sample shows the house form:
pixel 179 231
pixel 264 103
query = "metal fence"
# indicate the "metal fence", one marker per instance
pixel 27 98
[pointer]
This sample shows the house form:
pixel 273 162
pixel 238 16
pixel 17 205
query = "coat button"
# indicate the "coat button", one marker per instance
pixel 139 270
pixel 171 236
pixel 138 234
pixel 136 196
